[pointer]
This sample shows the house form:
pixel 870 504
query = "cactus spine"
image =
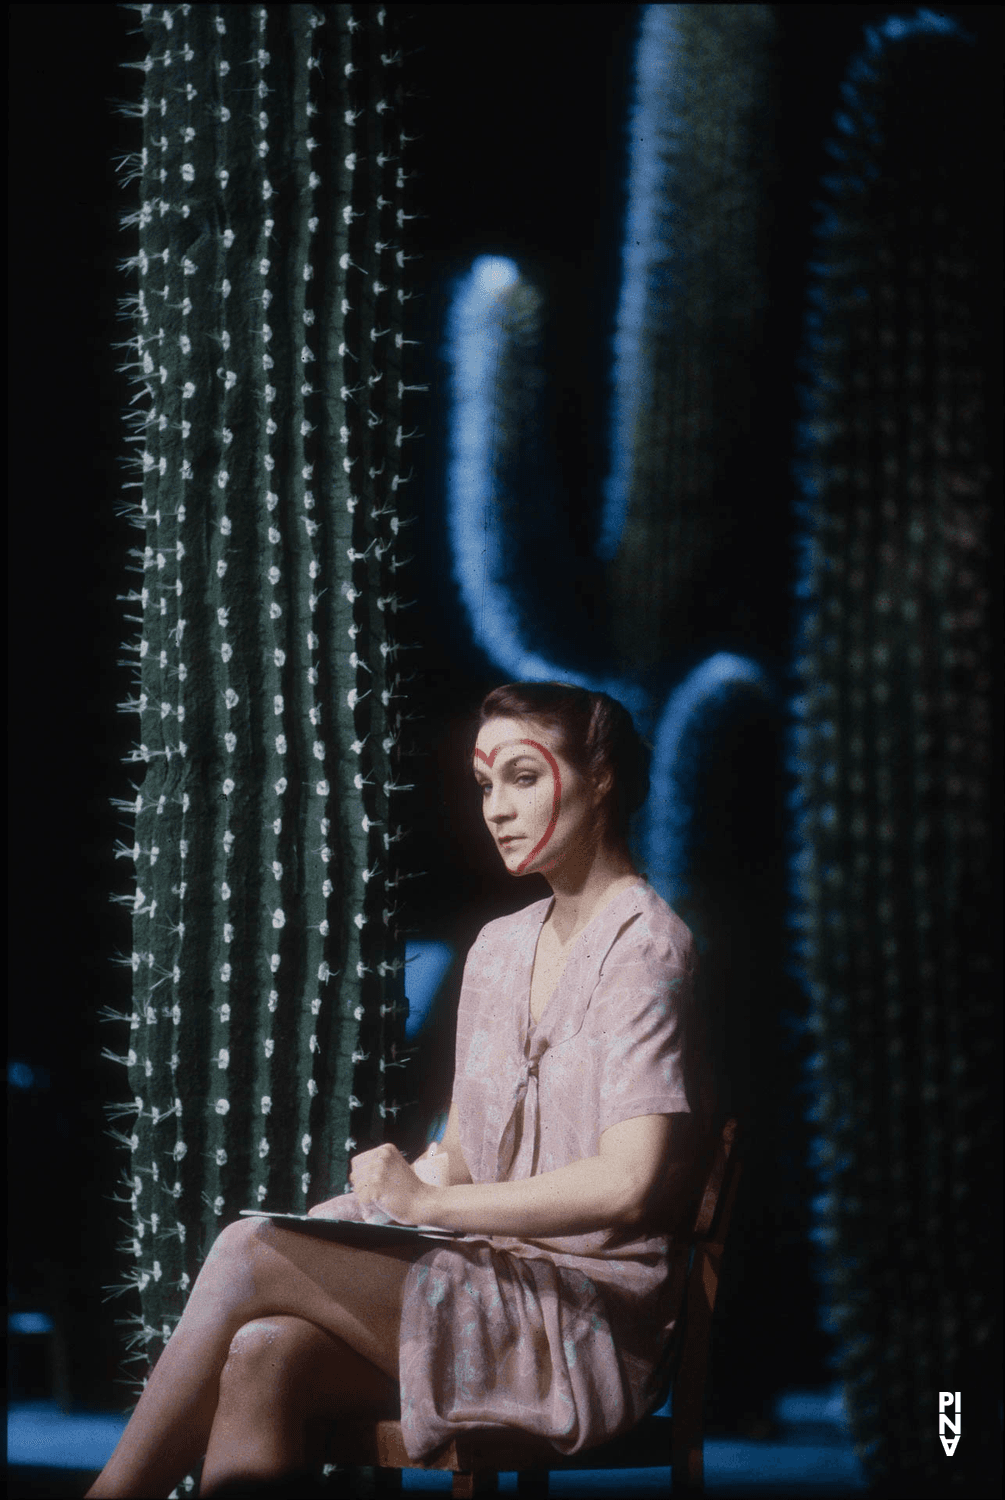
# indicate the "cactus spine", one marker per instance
pixel 894 750
pixel 271 460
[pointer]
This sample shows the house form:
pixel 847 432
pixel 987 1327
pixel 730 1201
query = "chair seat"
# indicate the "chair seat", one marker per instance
pixel 505 1449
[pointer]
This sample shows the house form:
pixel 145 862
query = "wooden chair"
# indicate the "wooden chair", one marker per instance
pixel 658 1441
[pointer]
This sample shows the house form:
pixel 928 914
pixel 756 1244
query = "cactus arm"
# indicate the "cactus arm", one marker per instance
pixel 718 689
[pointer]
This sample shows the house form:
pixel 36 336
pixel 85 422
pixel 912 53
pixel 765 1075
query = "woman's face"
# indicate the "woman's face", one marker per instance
pixel 539 810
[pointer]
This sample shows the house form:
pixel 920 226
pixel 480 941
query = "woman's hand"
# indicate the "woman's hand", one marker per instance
pixel 383 1177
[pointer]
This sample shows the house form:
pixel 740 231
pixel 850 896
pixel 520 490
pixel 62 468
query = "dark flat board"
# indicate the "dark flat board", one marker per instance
pixel 352 1231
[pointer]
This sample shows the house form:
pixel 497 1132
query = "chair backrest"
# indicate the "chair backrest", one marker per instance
pixel 710 1227
pixel 711 1221
pixel 704 1222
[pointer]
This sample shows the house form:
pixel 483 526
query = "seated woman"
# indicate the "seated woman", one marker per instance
pixel 580 1115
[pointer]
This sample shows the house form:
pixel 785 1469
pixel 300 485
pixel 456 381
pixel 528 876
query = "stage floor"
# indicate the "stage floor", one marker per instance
pixel 52 1454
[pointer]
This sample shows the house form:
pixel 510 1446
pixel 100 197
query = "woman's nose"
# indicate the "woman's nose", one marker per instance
pixel 499 807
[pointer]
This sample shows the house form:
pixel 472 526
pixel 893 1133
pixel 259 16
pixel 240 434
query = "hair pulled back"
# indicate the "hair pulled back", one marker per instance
pixel 595 733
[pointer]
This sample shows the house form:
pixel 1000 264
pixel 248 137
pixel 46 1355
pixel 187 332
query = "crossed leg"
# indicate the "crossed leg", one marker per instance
pixel 296 1327
pixel 283 1381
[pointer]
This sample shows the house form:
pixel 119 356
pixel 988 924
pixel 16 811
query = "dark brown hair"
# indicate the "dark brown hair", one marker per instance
pixel 595 733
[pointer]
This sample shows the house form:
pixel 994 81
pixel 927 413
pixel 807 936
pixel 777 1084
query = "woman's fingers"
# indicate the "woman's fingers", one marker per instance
pixel 383 1177
pixel 373 1170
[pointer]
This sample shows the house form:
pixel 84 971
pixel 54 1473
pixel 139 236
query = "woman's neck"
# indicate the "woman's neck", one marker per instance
pixel 583 887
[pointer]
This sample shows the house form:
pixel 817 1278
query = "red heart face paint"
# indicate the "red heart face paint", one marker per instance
pixel 556 804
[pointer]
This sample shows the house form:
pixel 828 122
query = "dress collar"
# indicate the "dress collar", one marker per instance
pixel 566 1008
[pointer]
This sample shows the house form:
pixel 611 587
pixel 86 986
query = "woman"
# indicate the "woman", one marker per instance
pixel 580 1113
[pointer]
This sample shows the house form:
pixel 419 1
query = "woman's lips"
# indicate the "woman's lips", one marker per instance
pixel 510 838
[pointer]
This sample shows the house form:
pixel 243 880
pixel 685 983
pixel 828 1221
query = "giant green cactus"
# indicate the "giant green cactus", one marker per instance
pixel 894 754
pixel 271 456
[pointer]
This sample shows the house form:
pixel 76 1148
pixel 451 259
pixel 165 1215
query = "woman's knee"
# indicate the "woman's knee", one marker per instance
pixel 237 1238
pixel 268 1356
pixel 231 1274
pixel 237 1245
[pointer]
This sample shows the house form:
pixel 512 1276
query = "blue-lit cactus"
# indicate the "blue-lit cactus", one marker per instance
pixel 690 318
pixel 692 302
pixel 271 459
pixel 893 751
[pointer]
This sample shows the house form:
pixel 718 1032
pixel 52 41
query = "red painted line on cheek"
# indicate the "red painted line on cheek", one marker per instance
pixel 556 804
pixel 556 801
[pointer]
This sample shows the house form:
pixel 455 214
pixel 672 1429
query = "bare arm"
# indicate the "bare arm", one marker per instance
pixel 617 1187
pixel 451 1144
pixel 640 1163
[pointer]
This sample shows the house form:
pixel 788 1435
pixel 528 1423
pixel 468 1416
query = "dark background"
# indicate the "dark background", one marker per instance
pixel 522 110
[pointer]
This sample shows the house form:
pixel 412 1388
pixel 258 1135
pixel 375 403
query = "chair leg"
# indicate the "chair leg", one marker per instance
pixel 532 1484
pixel 470 1486
pixel 688 1467
pixel 386 1484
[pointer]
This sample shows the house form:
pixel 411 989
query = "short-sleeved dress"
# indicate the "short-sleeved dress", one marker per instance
pixel 562 1337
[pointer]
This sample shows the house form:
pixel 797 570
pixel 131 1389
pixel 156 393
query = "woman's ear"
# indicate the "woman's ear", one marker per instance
pixel 602 785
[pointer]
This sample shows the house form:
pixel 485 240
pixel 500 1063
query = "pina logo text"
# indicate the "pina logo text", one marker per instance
pixel 949 1420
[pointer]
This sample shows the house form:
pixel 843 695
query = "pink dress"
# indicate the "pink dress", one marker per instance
pixel 561 1337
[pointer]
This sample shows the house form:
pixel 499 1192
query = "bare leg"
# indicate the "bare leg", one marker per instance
pixel 283 1380
pixel 255 1269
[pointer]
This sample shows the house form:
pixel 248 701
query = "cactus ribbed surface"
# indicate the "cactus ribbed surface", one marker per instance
pixel 692 310
pixel 271 456
pixel 894 754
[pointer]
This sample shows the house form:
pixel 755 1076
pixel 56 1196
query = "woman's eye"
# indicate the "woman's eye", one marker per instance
pixel 526 779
